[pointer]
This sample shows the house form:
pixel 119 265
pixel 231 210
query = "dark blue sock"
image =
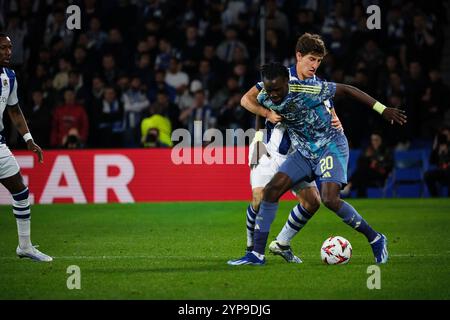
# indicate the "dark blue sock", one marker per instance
pixel 264 219
pixel 351 217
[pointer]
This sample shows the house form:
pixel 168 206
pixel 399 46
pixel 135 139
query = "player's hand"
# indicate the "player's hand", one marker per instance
pixel 336 123
pixel 36 149
pixel 256 151
pixel 273 117
pixel 394 114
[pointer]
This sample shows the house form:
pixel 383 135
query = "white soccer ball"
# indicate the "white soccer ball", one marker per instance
pixel 336 250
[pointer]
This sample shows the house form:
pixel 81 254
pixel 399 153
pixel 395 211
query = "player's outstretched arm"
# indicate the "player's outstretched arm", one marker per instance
pixel 249 101
pixel 17 118
pixel 390 114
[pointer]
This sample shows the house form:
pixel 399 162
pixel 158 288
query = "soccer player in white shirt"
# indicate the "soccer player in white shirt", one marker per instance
pixel 10 175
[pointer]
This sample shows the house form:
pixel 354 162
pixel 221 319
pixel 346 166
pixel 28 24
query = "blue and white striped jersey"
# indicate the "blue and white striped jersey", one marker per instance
pixel 8 91
pixel 8 97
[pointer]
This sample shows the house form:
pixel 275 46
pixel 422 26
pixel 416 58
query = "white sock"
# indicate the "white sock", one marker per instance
pixel 251 216
pixel 249 238
pixel 285 236
pixel 23 231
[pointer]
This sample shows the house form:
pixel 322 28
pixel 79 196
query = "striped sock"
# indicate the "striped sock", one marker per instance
pixel 297 219
pixel 21 210
pixel 251 217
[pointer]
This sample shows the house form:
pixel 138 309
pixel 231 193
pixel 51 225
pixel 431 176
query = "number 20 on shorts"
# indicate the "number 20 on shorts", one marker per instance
pixel 326 164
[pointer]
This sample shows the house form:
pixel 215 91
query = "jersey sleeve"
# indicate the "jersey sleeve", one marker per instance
pixel 12 99
pixel 259 85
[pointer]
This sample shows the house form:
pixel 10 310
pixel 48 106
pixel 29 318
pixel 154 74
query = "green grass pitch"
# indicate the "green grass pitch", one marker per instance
pixel 179 251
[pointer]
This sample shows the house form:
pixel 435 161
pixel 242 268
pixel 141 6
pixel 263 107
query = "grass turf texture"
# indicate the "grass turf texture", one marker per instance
pixel 179 251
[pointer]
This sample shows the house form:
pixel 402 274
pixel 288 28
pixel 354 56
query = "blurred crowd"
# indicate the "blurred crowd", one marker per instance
pixel 137 70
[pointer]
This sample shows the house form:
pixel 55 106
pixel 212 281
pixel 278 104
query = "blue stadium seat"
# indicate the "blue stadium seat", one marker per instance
pixel 407 175
pixel 352 161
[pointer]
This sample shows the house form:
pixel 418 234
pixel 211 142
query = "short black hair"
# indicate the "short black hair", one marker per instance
pixel 3 35
pixel 273 70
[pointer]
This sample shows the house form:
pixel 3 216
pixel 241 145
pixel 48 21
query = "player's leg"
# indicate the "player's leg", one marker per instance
pixel 348 214
pixel 260 176
pixel 252 212
pixel 293 169
pixel 21 209
pixel 333 175
pixel 309 202
pixel 262 223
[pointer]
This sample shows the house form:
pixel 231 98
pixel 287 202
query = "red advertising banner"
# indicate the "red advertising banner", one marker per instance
pixel 135 175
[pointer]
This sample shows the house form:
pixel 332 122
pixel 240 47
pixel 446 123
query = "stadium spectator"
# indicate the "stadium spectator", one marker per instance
pixel 191 49
pixel 144 69
pixel 108 117
pixel 440 157
pixel 225 49
pixel 175 77
pixel 96 36
pixel 39 118
pixel 76 82
pixel 159 84
pixel 18 34
pixel 199 111
pixel 423 43
pixel 186 100
pixel 67 116
pixel 156 132
pixel 165 107
pixel 334 18
pixel 220 97
pixel 434 103
pixel 276 19
pixel 61 79
pixel 72 140
pixel 116 46
pixel 230 14
pixel 373 167
pixel 109 69
pixel 166 52
pixel 57 29
pixel 134 103
pixel 231 115
pixel 206 77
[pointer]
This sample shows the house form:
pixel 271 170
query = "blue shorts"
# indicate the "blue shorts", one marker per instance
pixel 330 166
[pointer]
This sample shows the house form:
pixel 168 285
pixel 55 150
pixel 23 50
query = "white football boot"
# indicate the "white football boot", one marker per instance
pixel 33 253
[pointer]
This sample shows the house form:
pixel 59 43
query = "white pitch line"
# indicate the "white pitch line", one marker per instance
pixel 208 257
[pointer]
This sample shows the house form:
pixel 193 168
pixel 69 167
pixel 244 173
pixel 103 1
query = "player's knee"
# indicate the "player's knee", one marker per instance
pixel 279 184
pixel 271 193
pixel 312 202
pixel 331 202
pixel 257 195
